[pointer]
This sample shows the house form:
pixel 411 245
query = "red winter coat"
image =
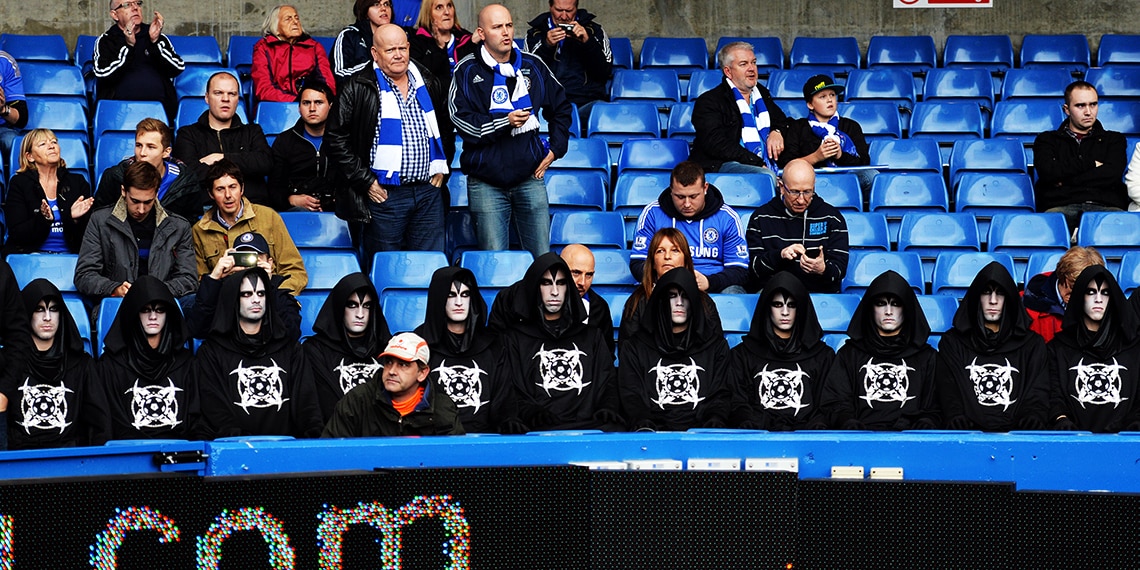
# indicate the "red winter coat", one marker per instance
pixel 279 67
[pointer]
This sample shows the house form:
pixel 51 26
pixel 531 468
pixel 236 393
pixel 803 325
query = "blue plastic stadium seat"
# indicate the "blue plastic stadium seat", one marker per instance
pixel 744 192
pixel 84 50
pixel 586 153
pixel 702 81
pixel 1024 119
pixel 327 267
pixel 986 155
pixel 59 113
pixel 680 124
pixel 459 234
pixel 53 78
pixel 1066 51
pixel 652 154
pixel 1111 233
pixel 883 84
pixel 611 274
pixel 840 189
pixel 239 51
pixel 198 50
pixel 946 122
pixel 1023 234
pixel 682 54
pixel 908 53
pixel 659 86
pixel 192 82
pixel 899 193
pixel 275 117
pixel 867 230
pixel 112 115
pixel 575 123
pixel 878 119
pixel 835 340
pixel 1043 262
pixel 573 190
pixel 1118 49
pixel 955 270
pixel 769 52
pixel 1124 116
pixel 1129 272
pixel 835 310
pixel 317 229
pixel 1115 82
pixel 108 308
pixel 592 229
pixel 633 191
pixel 405 269
pixel 78 312
pixel 864 266
pixel 1049 83
pixel 735 311
pixel 405 309
pixel 994 53
pixel 616 122
pixel 496 269
pixel 35 47
pixel 907 154
pixel 986 194
pixel 111 149
pixel 59 268
pixel 622 50
pixel 789 83
pixel 457 188
pixel 833 55
pixel 959 84
pixel 929 234
pixel 939 311
pixel 190 109
pixel 311 302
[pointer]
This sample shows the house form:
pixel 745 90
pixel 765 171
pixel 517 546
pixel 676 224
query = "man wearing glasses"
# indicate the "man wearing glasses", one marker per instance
pixel 135 61
pixel 800 233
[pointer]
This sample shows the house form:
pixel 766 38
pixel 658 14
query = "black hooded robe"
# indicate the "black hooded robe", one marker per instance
pixel 15 344
pixel 562 371
pixel 1095 374
pixel 777 382
pixel 47 395
pixel 465 366
pixel 338 363
pixel 674 381
pixel 992 381
pixel 253 385
pixel 884 383
pixel 144 392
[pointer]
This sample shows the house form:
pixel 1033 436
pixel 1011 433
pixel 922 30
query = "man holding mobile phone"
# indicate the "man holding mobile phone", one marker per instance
pixel 800 233
pixel 577 51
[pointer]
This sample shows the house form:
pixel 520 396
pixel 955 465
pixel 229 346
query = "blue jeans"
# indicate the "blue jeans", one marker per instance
pixel 733 167
pixel 410 219
pixel 493 209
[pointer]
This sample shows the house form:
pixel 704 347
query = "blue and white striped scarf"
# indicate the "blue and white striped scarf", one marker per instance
pixel 503 101
pixel 387 146
pixel 831 127
pixel 757 123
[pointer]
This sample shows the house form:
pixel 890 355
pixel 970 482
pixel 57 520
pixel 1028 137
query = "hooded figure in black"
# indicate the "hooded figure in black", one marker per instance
pixel 15 344
pixel 1094 362
pixel 465 365
pixel 993 380
pixel 884 381
pixel 144 390
pixel 779 368
pixel 253 383
pixel 338 358
pixel 560 368
pixel 47 394
pixel 674 375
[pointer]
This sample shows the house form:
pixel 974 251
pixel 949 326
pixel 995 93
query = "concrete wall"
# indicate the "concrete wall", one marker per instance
pixel 633 18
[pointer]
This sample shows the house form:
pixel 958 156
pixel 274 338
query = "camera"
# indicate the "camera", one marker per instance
pixel 244 258
pixel 569 28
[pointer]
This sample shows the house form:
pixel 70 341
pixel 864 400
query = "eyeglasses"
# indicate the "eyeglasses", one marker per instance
pixel 799 193
pixel 128 5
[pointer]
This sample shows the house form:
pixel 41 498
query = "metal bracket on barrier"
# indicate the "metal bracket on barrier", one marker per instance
pixel 180 460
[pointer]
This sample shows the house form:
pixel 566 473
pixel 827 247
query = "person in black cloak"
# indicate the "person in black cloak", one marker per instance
pixel 250 370
pixel 561 369
pixel 674 372
pixel 15 343
pixel 1094 364
pixel 992 369
pixel 464 352
pixel 46 396
pixel 883 376
pixel 348 336
pixel 779 368
pixel 144 385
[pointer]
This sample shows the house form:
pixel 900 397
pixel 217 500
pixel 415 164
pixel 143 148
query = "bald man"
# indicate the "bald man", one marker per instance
pixel 495 97
pixel 800 233
pixel 580 260
pixel 395 165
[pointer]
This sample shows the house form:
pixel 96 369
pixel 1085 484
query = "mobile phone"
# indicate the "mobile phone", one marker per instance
pixel 814 252
pixel 244 258
pixel 568 27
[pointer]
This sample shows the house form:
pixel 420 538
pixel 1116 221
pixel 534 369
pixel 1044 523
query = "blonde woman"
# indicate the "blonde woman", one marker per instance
pixel 48 205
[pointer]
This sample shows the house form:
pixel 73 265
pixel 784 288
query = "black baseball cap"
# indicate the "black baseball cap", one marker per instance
pixel 818 83
pixel 251 241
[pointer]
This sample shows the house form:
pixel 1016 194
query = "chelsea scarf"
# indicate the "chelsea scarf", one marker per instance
pixel 756 121
pixel 831 127
pixel 387 147
pixel 503 101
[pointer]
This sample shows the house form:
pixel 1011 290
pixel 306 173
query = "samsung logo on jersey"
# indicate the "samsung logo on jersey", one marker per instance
pixel 817 228
pixel 706 252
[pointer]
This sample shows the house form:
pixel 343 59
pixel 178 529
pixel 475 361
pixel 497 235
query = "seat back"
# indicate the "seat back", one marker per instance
pixel 1045 82
pixel 198 50
pixel 735 311
pixel 954 271
pixel 744 192
pixel 840 189
pixel 25 47
pixel 622 50
pixel 1069 52
pixel 112 115
pixel 835 310
pixel 404 309
pixel 659 86
pixel 111 149
pixel 1024 119
pixel 633 191
pixel 276 117
pixel 930 234
pixel 496 269
pixel 1129 272
pixel 1115 81
pixel 60 113
pixel 108 308
pixel 833 55
pixel 405 269
pixel 993 53
pixel 909 53
pixel 1111 233
pixel 985 194
pixel 1118 49
pixel 592 229
pixel 907 154
pixel 882 84
pixel 1123 115
pixel 939 311
pixel 611 273
pixel 682 54
pixel 575 190
pixel 986 155
pixel 1041 262
pixel 864 266
pixel 879 119
pixel 621 120
pixel 680 125
pixel 317 230
pixel 703 80
pixel 1022 234
pixel 947 121
pixel 191 83
pixel 327 267
pixel 53 78
pixel 59 268
pixel 652 154
pixel 959 84
pixel 867 230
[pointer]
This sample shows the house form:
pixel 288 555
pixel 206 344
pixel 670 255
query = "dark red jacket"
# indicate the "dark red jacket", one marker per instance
pixel 279 67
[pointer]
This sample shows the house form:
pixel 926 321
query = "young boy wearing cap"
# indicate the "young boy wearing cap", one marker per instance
pixel 400 402
pixel 824 138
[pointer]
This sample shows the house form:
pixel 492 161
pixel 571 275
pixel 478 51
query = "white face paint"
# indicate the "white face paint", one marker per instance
pixel 251 301
pixel 783 314
pixel 993 303
pixel 678 308
pixel 45 320
pixel 357 313
pixel 888 315
pixel 458 302
pixel 552 288
pixel 153 318
pixel 1096 305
